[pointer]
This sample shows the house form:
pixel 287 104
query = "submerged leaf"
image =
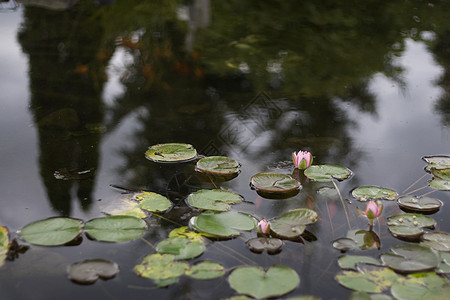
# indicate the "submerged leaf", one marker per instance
pixel 52 231
pixel 88 271
pixel 116 228
pixel 206 270
pixel 259 244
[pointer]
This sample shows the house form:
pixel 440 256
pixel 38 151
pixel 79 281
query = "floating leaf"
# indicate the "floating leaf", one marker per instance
pixel 421 286
pixel 224 224
pixel 444 264
pixel 325 173
pixel 115 228
pixel 218 165
pixel 217 200
pixel 368 278
pixel 437 162
pixel 259 244
pixel 439 184
pixel 365 296
pixel 171 152
pixel 88 271
pixel 409 258
pixel 4 244
pixel 439 241
pixel 421 204
pixel 292 224
pixel 124 207
pixel 206 270
pixel 182 248
pixel 52 231
pixel 153 202
pixel 358 239
pixel 255 282
pixel 346 244
pixel 409 225
pixel 350 261
pixel 185 232
pixel 364 193
pixel 163 268
pixel 443 174
pixel 272 182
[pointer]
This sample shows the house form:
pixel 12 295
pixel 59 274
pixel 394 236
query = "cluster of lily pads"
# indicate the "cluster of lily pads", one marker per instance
pixel 414 266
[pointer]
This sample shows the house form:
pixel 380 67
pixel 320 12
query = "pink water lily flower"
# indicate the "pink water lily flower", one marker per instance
pixel 302 159
pixel 373 211
pixel 264 226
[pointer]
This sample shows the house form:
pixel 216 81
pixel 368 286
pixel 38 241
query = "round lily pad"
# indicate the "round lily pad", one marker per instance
pixel 160 267
pixel 358 240
pixel 439 184
pixel 325 173
pixel 351 261
pixel 409 225
pixel 255 282
pixel 420 204
pixel 272 182
pixel 259 244
pixel 437 162
pixel 217 200
pixel 116 228
pixel 421 286
pixel 88 271
pixel 368 278
pixel 223 224
pixel 364 193
pixel 206 270
pixel 153 202
pixel 171 152
pixel 52 231
pixel 218 165
pixel 439 241
pixel 443 174
pixel 182 248
pixel 291 224
pixel 410 258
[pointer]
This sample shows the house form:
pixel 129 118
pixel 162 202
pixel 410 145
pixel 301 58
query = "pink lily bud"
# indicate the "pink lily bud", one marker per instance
pixel 264 226
pixel 302 159
pixel 373 211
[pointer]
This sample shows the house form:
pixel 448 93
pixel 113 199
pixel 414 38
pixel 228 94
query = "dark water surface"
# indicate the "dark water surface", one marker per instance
pixel 365 85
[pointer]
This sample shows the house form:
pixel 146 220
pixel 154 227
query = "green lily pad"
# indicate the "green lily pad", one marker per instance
pixel 358 240
pixel 88 271
pixel 52 231
pixel 437 162
pixel 217 200
pixel 291 224
pixel 206 270
pixel 351 261
pixel 255 282
pixel 153 202
pixel 368 278
pixel 421 286
pixel 4 244
pixel 366 296
pixel 421 204
pixel 182 248
pixel 115 228
pixel 259 244
pixel 325 173
pixel 409 258
pixel 443 174
pixel 272 182
pixel 364 193
pixel 444 264
pixel 409 225
pixel 171 152
pixel 439 241
pixel 439 184
pixel 223 224
pixel 218 165
pixel 163 268
pixel 346 244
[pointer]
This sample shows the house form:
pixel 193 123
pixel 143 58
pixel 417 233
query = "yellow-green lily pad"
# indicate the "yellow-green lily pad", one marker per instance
pixel 439 184
pixel 171 152
pixel 437 162
pixel 421 286
pixel 152 202
pixel 368 278
pixel 4 244
pixel 163 268
pixel 205 270
pixel 443 174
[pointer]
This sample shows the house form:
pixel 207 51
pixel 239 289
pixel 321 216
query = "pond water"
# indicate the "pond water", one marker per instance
pixel 90 85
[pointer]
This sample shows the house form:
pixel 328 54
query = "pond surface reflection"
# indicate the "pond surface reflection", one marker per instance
pixel 90 87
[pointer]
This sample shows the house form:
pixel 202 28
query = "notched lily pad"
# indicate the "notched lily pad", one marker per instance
pixel 206 270
pixel 421 286
pixel 88 271
pixel 52 231
pixel 420 204
pixel 437 162
pixel 409 225
pixel 364 193
pixel 292 224
pixel 439 241
pixel 272 182
pixel 358 240
pixel 163 268
pixel 171 152
pixel 182 248
pixel 325 173
pixel 254 281
pixel 115 228
pixel 223 224
pixel 351 261
pixel 218 165
pixel 185 232
pixel 368 278
pixel 217 199
pixel 410 258
pixel 152 202
pixel 439 184
pixel 124 207
pixel 259 244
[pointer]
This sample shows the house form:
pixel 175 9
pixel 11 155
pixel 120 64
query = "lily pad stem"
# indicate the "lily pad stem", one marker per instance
pixel 342 201
pixel 414 183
